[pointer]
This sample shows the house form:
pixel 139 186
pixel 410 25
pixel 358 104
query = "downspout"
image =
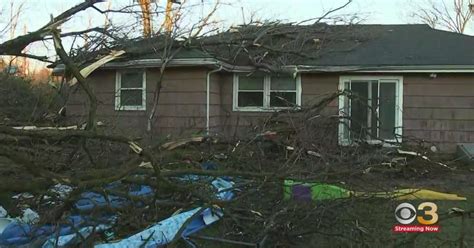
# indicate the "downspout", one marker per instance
pixel 208 97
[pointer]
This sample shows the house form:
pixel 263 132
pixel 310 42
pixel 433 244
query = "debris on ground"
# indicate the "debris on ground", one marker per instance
pixel 30 217
pixel 79 226
pixel 183 224
pixel 197 191
pixel 220 156
pixel 465 153
pixel 178 143
pixel 313 191
pixel 61 190
pixel 418 194
pixel 421 156
pixel 22 196
pixel 320 191
pixel 313 153
pixel 3 212
pixel 4 222
pixel 45 128
pixel 167 230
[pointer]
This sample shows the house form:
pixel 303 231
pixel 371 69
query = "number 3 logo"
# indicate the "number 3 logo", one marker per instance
pixel 432 208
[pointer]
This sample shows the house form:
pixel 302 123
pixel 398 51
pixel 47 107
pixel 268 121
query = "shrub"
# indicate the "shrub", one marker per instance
pixel 21 101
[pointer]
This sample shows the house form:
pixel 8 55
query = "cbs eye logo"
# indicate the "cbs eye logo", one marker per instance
pixel 406 213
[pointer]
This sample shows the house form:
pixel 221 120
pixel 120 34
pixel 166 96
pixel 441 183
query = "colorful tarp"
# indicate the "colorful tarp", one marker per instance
pixel 414 194
pixel 312 191
pixel 320 191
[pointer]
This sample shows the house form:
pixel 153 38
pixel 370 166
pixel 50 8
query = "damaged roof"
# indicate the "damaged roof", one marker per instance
pixel 273 46
pixel 342 45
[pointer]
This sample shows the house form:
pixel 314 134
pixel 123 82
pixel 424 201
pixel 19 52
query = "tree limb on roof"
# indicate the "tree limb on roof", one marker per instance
pixel 85 72
pixel 81 79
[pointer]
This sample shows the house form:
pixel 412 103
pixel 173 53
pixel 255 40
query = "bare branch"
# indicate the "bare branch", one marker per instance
pixel 15 46
pixel 454 17
pixel 77 74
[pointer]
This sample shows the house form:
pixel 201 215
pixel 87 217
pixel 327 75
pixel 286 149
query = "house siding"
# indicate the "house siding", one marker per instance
pixel 235 123
pixel 241 123
pixel 181 109
pixel 439 110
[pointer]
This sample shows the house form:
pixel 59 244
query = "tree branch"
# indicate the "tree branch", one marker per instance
pixel 80 79
pixel 15 46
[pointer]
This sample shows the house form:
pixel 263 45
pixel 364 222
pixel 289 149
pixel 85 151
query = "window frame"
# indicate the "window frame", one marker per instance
pixel 398 111
pixel 266 95
pixel 118 92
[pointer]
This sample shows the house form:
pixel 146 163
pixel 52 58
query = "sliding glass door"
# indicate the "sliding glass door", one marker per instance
pixel 371 109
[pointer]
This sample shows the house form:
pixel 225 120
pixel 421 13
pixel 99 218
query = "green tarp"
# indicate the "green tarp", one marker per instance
pixel 312 191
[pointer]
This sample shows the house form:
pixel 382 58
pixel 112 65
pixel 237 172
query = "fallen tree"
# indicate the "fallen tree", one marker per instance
pixel 296 145
pixel 257 214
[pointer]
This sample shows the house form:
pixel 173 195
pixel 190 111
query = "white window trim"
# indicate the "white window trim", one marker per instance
pixel 118 78
pixel 398 113
pixel 266 95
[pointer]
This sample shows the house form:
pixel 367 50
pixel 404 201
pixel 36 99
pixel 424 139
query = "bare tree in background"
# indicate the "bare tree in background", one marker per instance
pixel 167 52
pixel 9 29
pixel 12 15
pixel 257 217
pixel 453 15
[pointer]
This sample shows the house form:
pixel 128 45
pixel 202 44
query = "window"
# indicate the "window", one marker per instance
pixel 258 92
pixel 373 109
pixel 130 93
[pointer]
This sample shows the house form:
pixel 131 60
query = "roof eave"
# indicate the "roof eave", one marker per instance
pixel 386 69
pixel 186 62
pixel 147 63
pixel 211 62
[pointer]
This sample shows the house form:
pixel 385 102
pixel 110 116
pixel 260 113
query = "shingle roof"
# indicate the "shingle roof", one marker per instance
pixel 406 45
pixel 343 45
pixel 274 45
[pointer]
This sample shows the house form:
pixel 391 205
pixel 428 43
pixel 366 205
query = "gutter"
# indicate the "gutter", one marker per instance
pixel 183 62
pixel 386 69
pixel 147 63
pixel 59 69
pixel 158 62
pixel 208 97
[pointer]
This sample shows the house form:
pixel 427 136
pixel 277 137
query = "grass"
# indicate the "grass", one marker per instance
pixel 452 228
pixel 355 223
pixel 369 223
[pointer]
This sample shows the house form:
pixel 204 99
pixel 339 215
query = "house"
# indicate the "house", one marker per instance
pixel 411 81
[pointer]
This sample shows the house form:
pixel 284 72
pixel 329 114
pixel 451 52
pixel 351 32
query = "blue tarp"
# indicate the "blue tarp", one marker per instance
pixel 18 233
pixel 91 200
pixel 59 241
pixel 224 189
pixel 165 231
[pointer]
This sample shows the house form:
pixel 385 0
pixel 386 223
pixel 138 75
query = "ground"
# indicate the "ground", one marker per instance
pixel 374 219
pixel 359 222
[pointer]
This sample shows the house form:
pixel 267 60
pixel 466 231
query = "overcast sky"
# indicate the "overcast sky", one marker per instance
pixel 37 12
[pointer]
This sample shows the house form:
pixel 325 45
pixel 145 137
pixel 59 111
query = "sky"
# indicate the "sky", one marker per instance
pixel 37 12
